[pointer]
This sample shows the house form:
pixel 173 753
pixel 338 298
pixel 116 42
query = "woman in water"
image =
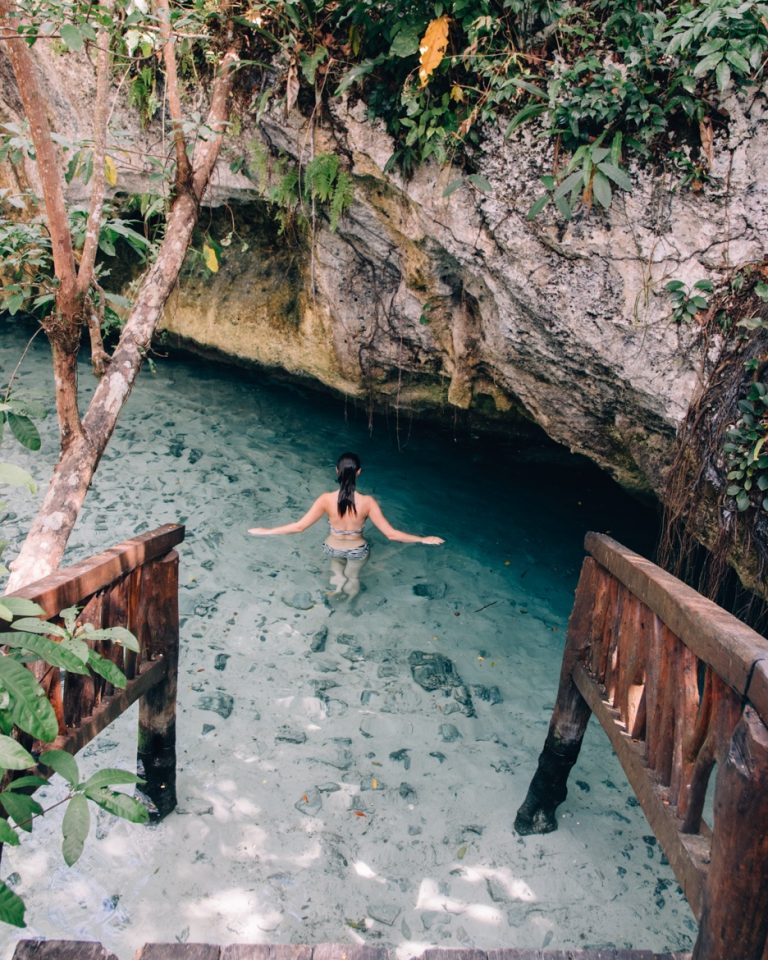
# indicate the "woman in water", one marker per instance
pixel 347 512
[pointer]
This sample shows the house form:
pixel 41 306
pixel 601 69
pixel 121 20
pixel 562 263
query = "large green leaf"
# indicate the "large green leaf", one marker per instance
pixel 616 174
pixel 22 783
pixel 119 635
pixel 109 777
pixel 16 477
pixel 21 607
pixel 62 763
pixel 24 430
pixel 21 808
pixel 74 828
pixel 120 804
pixel 13 756
pixel 29 709
pixel 33 625
pixel 54 653
pixel 8 834
pixel 11 907
pixel 105 668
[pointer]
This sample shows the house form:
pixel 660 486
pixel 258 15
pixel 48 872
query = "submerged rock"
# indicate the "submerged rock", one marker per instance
pixel 434 591
pixel 299 601
pixel 219 702
pixel 290 735
pixel 433 671
pixel 310 803
pixel 319 641
pixel 449 733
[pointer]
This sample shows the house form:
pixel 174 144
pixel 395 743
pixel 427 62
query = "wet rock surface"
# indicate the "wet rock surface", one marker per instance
pixel 434 672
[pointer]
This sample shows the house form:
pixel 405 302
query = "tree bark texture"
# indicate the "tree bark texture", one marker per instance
pixel 44 546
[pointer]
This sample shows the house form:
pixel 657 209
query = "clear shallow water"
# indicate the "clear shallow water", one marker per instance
pixel 323 794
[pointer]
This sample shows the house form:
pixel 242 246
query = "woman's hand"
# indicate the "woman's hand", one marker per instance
pixel 433 541
pixel 259 531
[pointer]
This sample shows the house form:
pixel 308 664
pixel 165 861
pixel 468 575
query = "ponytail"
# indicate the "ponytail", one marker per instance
pixel 347 467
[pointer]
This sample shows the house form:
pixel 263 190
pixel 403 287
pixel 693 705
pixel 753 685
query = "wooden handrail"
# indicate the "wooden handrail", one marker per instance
pixel 132 585
pixel 681 688
pixel 715 636
pixel 72 585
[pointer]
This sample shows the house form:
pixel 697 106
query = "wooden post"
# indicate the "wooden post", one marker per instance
pixel 734 918
pixel 569 720
pixel 159 637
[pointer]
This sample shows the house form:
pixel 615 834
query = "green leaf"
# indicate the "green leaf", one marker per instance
pixel 43 627
pixel 119 635
pixel 406 41
pixel 616 174
pixel 453 186
pixel 733 490
pixel 674 285
pixel 21 808
pixel 13 756
pixel 480 182
pixel 528 112
pixel 74 828
pixel 736 60
pixel 109 777
pixel 69 616
pixel 761 289
pixel 105 668
pixel 722 75
pixel 24 430
pixel 119 804
pixel 54 653
pixel 15 476
pixel 355 74
pixel 20 607
pixel 71 36
pixel 11 907
pixel 537 206
pixel 762 482
pixel 742 502
pixel 571 182
pixel 8 834
pixel 23 783
pixel 529 88
pixel 62 763
pixel 29 708
pixel 601 189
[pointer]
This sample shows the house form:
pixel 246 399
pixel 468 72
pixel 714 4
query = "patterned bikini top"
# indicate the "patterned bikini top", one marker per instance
pixel 344 533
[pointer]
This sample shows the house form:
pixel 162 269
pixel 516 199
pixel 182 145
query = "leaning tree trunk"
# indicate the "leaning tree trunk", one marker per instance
pixel 45 543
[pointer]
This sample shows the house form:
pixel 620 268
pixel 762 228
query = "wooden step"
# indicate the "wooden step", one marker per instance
pixel 81 950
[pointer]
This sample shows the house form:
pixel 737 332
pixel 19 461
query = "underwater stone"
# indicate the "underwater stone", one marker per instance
pixel 491 695
pixel 207 727
pixel 220 662
pixel 221 703
pixel 299 601
pixel 407 792
pixel 318 640
pixel 434 591
pixel 401 756
pixel 353 654
pixel 290 735
pixel 385 913
pixel 310 803
pixel 449 733
pixel 433 671
pixel 440 757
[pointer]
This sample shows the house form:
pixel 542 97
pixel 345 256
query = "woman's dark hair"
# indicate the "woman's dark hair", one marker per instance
pixel 346 469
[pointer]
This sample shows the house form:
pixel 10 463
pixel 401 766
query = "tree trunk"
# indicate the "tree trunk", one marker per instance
pixel 44 546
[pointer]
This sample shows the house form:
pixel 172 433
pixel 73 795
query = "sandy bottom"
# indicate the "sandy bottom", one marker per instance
pixel 324 795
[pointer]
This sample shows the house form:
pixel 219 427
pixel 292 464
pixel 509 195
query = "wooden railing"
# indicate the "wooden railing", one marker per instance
pixel 133 585
pixel 680 686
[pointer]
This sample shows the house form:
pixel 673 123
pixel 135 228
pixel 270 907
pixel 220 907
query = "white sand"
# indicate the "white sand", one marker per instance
pixel 338 800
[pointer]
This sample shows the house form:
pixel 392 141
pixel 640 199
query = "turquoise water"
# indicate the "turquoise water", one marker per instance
pixel 323 794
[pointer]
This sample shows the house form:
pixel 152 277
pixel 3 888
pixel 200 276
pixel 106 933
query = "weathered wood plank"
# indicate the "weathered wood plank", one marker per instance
pixel 266 951
pixel 757 692
pixel 734 920
pixel 179 951
pixel 688 855
pixel 60 950
pixel 713 634
pixel 150 675
pixel 71 585
pixel 342 951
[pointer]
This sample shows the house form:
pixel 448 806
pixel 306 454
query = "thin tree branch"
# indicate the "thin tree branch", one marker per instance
pixel 183 168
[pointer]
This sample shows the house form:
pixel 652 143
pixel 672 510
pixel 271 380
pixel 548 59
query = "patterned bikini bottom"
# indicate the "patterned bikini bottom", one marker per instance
pixel 359 552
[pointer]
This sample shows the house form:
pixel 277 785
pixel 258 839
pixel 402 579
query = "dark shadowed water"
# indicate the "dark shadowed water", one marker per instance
pixel 323 794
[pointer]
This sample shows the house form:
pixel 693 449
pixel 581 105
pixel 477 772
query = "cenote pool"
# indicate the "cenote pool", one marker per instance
pixel 323 794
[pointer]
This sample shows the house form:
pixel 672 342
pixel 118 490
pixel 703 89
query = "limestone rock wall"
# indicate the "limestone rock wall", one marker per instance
pixel 440 302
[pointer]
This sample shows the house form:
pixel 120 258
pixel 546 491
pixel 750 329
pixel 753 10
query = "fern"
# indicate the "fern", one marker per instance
pixel 342 198
pixel 320 177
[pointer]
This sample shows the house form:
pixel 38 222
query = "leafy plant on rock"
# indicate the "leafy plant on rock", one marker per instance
pixel 746 453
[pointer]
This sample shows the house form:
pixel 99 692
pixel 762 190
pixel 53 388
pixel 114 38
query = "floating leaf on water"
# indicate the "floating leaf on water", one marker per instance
pixel 462 852
pixel 374 783
pixel 360 813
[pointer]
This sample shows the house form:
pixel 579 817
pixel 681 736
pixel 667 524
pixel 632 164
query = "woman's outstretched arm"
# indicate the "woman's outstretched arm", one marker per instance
pixel 311 516
pixel 378 519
